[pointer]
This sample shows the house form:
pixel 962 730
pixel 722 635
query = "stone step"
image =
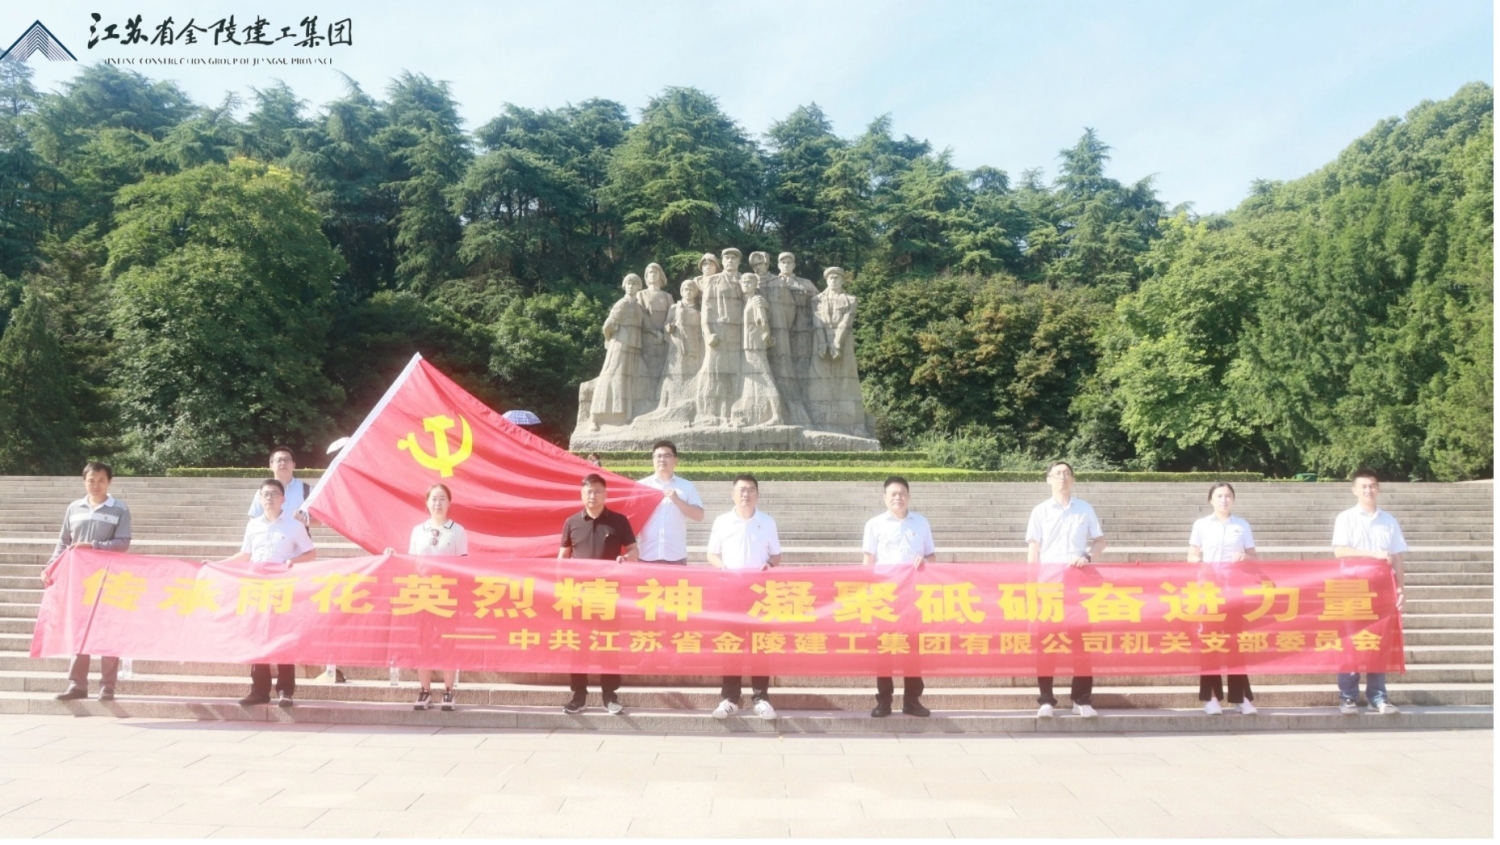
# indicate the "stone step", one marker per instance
pixel 1416 621
pixel 853 696
pixel 788 721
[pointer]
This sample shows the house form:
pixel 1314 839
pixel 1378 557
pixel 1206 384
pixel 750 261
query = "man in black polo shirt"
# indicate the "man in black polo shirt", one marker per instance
pixel 596 533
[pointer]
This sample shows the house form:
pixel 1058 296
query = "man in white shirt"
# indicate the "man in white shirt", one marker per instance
pixel 1064 530
pixel 898 537
pixel 1367 531
pixel 744 539
pixel 664 538
pixel 275 541
pixel 282 465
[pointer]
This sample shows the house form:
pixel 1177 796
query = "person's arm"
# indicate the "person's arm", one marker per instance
pixel 715 545
pixel 1248 553
pixel 64 539
pixel 1349 551
pixel 630 552
pixel 693 512
pixel 120 542
pixel 1033 551
pixel 237 557
pixel 310 554
pixel 564 552
pixel 715 561
pixel 1195 554
pixel 773 560
pixel 1096 548
pixel 773 547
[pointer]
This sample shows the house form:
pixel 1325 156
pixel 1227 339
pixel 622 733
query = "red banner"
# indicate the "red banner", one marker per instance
pixel 511 489
pixel 549 615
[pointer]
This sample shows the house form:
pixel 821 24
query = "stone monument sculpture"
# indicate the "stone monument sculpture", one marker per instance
pixel 743 361
pixel 834 395
pixel 656 302
pixel 760 402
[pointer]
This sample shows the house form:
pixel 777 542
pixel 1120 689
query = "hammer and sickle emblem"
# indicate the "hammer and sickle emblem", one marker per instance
pixel 443 461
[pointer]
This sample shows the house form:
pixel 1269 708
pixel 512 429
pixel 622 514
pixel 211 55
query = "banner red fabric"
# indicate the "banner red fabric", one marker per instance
pixel 511 489
pixel 548 615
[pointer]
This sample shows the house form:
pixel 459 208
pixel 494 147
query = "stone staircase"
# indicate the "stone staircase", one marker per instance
pixel 1448 619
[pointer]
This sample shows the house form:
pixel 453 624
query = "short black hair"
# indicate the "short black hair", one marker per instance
pixel 271 482
pixel 98 466
pixel 745 476
pixel 286 449
pixel 1056 464
pixel 896 479
pixel 1365 472
pixel 442 487
pixel 1214 488
pixel 664 444
pixel 594 478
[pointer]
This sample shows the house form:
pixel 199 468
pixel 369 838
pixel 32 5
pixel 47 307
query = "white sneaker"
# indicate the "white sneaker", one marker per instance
pixel 1349 707
pixel 1247 709
pixel 725 709
pixel 1213 708
pixel 1386 708
pixel 1086 711
pixel 764 710
pixel 1044 712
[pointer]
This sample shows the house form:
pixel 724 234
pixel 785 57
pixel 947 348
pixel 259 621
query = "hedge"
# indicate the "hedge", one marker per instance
pixel 236 472
pixel 763 472
pixel 769 458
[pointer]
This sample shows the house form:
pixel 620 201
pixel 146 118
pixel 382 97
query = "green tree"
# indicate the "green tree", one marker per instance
pixel 546 345
pixel 685 177
pixel 39 426
pixel 426 142
pixel 222 284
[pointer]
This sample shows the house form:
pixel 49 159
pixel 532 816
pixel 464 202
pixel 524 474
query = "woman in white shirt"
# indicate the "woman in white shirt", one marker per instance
pixel 1220 539
pixel 442 537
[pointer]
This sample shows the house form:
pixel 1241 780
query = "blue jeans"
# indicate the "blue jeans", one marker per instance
pixel 1374 687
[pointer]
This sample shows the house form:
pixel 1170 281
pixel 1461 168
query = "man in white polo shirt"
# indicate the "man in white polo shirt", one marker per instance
pixel 282 465
pixel 274 541
pixel 1064 530
pixel 898 537
pixel 664 538
pixel 744 539
pixel 1367 531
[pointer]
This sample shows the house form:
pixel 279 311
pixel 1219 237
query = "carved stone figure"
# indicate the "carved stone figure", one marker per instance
pixel 655 301
pixel 750 361
pixel 760 403
pixel 833 384
pixel 616 396
pixel 719 378
pixel 685 352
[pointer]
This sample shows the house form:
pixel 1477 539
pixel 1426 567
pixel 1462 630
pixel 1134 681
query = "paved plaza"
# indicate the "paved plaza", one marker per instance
pixel 74 777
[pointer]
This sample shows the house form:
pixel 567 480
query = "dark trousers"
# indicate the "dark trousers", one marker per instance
pixel 682 562
pixel 885 688
pixel 78 673
pixel 760 686
pixel 1081 691
pixel 1212 686
pixel 607 684
pixel 260 678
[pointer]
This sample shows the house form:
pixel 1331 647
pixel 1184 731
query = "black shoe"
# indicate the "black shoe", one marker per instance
pixel 285 700
pixel 882 710
pixel 575 704
pixel 107 694
pixel 448 700
pixel 73 694
pixel 913 707
pixel 255 698
pixel 424 700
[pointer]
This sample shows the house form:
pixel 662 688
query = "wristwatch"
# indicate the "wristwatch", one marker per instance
pixel 1088 557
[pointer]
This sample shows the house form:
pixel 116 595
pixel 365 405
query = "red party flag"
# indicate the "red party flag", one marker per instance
pixel 511 489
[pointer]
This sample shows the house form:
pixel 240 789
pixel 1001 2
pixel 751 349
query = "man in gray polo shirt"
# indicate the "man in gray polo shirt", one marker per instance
pixel 97 521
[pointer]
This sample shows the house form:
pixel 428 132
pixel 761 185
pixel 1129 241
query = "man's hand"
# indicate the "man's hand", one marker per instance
pixel 1080 562
pixel 82 544
pixel 1400 598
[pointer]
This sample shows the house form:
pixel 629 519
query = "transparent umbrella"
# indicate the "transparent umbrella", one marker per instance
pixel 522 417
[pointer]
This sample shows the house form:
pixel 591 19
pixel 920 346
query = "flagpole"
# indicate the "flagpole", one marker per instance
pixel 369 419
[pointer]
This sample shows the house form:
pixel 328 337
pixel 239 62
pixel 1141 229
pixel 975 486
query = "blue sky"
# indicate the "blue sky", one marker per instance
pixel 1205 97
